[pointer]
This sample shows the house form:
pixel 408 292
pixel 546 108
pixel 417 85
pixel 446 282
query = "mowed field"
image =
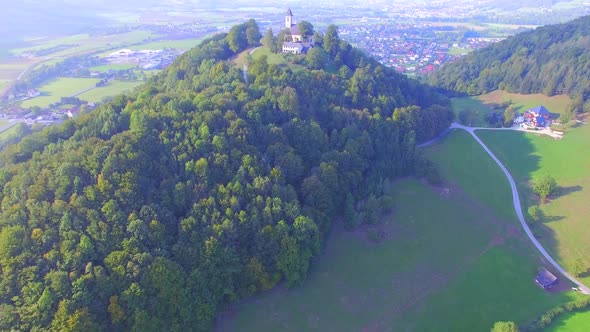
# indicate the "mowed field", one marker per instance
pixel 113 66
pixel 112 89
pixel 181 44
pixel 272 58
pixel 10 69
pixel 451 258
pixel 573 322
pixel 478 106
pixel 61 87
pixel 566 232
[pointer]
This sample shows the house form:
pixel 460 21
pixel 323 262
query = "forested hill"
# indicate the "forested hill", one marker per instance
pixel 152 211
pixel 552 60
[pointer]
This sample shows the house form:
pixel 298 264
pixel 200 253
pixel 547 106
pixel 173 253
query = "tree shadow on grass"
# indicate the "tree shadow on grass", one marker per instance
pixel 585 274
pixel 521 157
pixel 550 219
pixel 564 191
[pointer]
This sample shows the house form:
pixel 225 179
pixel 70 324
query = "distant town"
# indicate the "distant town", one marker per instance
pixel 60 78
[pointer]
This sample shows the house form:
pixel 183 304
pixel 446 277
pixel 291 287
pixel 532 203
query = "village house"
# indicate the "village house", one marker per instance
pixel 539 116
pixel 299 43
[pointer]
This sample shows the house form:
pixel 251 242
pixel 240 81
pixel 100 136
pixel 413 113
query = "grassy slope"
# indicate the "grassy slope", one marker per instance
pixel 566 235
pixel 455 265
pixel 575 322
pixel 114 88
pixel 272 58
pixel 8 135
pixel 463 161
pixel 61 87
pixel 475 108
pixel 113 66
pixel 556 104
pixel 478 106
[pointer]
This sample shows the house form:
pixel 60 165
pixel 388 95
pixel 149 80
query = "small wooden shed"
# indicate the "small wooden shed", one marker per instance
pixel 546 279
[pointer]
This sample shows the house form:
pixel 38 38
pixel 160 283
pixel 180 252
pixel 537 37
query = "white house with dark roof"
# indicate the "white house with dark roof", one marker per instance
pixel 539 116
pixel 299 43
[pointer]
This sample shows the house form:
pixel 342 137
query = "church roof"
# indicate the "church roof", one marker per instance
pixel 295 30
pixel 289 12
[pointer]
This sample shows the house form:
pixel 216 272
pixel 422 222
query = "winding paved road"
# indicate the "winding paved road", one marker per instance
pixel 516 202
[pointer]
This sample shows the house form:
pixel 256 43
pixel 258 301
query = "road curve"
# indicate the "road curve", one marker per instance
pixel 518 208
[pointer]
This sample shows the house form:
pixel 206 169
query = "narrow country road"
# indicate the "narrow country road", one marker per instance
pixel 516 202
pixel 8 126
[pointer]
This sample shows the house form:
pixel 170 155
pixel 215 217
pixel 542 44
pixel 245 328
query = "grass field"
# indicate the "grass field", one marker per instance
pixel 181 44
pixel 11 135
pixel 556 104
pixel 277 59
pixel 61 87
pixel 114 88
pixel 113 66
pixel 447 262
pixel 84 43
pixel 474 109
pixel 574 322
pixel 478 106
pixel 10 69
pixel 272 58
pixel 459 51
pixel 566 234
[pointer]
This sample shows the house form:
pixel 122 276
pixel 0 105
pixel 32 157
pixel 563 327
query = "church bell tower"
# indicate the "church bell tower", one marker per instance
pixel 289 19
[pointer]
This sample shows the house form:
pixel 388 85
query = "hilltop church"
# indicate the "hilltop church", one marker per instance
pixel 299 43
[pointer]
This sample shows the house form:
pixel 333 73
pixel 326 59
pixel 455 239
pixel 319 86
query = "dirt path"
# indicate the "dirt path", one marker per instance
pixel 518 206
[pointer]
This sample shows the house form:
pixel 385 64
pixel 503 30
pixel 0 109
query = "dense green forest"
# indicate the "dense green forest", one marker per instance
pixel 151 212
pixel 551 60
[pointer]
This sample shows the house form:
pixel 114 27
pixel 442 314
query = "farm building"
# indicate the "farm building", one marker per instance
pixel 541 111
pixel 546 279
pixel 538 116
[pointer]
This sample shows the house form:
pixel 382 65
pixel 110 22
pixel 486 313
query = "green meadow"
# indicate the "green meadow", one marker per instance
pixel 181 44
pixel 573 322
pixel 113 66
pixel 566 230
pixel 449 258
pixel 61 87
pixel 477 107
pixel 112 89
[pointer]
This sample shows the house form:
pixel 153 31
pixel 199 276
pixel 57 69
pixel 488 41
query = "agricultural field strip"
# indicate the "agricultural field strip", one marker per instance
pixel 517 205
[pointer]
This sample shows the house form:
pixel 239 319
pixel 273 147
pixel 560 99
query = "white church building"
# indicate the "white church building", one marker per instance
pixel 299 43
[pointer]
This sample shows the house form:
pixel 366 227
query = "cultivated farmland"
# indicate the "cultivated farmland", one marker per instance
pixel 61 87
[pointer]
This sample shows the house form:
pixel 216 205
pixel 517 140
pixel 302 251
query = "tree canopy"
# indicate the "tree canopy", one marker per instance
pixel 306 28
pixel 505 327
pixel 154 210
pixel 551 60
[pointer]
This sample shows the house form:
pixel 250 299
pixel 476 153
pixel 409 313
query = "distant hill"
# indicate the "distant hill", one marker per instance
pixel 551 60
pixel 152 211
